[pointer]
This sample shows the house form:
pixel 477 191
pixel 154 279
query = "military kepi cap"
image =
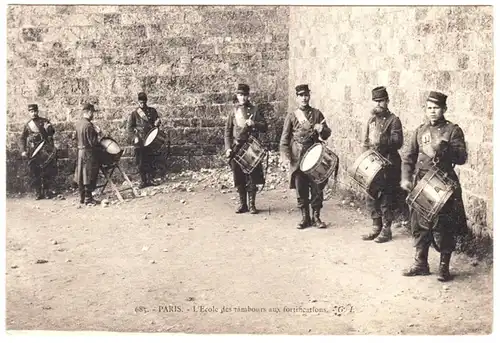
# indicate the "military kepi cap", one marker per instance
pixel 88 107
pixel 142 96
pixel 437 98
pixel 32 107
pixel 301 89
pixel 243 89
pixel 379 93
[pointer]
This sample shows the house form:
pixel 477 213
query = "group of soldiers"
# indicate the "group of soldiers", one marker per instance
pixel 39 129
pixel 437 142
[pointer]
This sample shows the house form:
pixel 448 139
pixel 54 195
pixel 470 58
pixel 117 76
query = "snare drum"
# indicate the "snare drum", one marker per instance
pixel 319 162
pixel 367 171
pixel 43 154
pixel 431 193
pixel 111 151
pixel 155 139
pixel 250 155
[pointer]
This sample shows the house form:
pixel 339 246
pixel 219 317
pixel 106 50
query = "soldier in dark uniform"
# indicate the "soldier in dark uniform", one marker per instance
pixel 384 134
pixel 243 121
pixel 442 143
pixel 301 129
pixel 87 166
pixel 140 122
pixel 38 129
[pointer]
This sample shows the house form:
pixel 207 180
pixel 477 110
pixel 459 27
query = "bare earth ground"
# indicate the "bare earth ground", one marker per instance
pixel 154 264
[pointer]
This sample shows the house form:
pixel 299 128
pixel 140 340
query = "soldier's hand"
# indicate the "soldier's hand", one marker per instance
pixel 228 152
pixel 318 127
pixel 250 122
pixel 136 140
pixel 24 154
pixel 406 185
pixel 157 122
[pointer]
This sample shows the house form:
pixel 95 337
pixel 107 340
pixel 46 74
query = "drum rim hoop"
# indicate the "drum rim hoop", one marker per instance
pixel 154 129
pixel 307 151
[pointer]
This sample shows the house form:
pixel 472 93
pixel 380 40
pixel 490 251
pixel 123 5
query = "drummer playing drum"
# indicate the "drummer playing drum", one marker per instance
pixel 244 121
pixel 303 128
pixel 140 122
pixel 439 143
pixel 38 129
pixel 384 134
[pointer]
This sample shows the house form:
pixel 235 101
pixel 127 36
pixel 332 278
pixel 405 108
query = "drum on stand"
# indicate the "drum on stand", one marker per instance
pixel 368 171
pixel 155 139
pixel 431 193
pixel 250 155
pixel 319 162
pixel 110 153
pixel 43 154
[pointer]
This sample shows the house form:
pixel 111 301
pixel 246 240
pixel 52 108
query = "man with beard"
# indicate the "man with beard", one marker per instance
pixel 303 128
pixel 38 129
pixel 384 134
pixel 441 143
pixel 244 120
pixel 140 122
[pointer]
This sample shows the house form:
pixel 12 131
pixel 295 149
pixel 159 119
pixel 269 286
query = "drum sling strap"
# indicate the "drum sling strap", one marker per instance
pixel 142 114
pixel 37 128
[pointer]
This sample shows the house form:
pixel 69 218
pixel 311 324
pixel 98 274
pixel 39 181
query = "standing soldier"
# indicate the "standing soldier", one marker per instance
pixel 140 122
pixel 38 129
pixel 303 128
pixel 87 165
pixel 441 143
pixel 384 134
pixel 244 121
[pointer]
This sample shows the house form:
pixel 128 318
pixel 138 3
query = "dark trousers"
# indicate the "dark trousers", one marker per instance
pixel 41 178
pixel 248 181
pixel 444 235
pixel 381 206
pixel 304 185
pixel 85 192
pixel 145 160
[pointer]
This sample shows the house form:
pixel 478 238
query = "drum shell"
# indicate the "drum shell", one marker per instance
pixel 368 172
pixel 431 193
pixel 45 155
pixel 324 167
pixel 250 155
pixel 106 156
pixel 158 142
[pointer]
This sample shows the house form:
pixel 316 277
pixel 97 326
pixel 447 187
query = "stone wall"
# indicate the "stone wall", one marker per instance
pixel 188 59
pixel 344 52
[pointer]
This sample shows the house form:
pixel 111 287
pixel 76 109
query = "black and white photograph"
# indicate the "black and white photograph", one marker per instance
pixel 252 169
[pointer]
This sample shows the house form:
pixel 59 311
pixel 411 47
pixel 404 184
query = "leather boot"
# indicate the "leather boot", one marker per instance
pixel 376 228
pixel 243 207
pixel 421 265
pixel 144 180
pixel 39 193
pixel 316 220
pixel 444 267
pixel 386 233
pixel 251 198
pixel 89 199
pixel 306 219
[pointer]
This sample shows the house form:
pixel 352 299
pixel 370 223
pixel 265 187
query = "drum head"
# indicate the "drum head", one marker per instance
pixel 311 157
pixel 38 148
pixel 151 136
pixel 113 148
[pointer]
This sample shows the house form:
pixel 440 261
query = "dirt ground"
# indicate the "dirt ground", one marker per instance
pixel 185 262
